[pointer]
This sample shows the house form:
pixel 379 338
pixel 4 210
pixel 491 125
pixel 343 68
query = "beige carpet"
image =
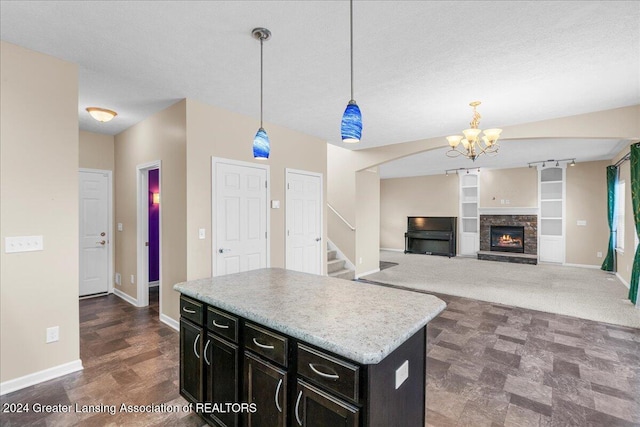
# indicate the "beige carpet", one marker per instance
pixel 580 292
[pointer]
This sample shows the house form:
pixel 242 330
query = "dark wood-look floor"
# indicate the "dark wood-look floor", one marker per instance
pixel 488 365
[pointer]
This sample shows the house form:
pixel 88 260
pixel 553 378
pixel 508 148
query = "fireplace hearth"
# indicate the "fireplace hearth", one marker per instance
pixel 507 238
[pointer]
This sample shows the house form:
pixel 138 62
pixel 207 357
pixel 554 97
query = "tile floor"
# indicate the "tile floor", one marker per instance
pixel 488 365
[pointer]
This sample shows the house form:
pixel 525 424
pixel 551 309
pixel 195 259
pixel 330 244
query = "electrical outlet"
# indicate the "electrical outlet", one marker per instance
pixel 402 373
pixel 502 201
pixel 360 260
pixel 118 279
pixel 53 334
pixel 119 226
pixel 599 254
pixel 133 279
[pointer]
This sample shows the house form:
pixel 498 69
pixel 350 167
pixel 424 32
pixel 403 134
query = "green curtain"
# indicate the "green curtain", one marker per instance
pixel 612 178
pixel 634 161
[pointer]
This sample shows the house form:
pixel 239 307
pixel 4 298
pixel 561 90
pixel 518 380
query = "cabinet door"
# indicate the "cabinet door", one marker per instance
pixel 191 337
pixel 316 408
pixel 266 386
pixel 221 361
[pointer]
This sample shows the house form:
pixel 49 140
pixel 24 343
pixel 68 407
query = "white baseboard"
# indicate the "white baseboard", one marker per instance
pixel 392 250
pixel 40 376
pixel 367 273
pixel 128 298
pixel 582 265
pixel 624 282
pixel 170 322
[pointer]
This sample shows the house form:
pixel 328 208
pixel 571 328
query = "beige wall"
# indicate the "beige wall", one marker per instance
pixel 368 221
pixel 433 195
pixel 587 201
pixel 341 194
pixel 518 186
pixel 97 151
pixel 159 137
pixel 39 192
pixel 212 131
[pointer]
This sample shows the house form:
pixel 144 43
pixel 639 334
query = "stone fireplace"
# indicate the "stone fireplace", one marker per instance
pixel 509 237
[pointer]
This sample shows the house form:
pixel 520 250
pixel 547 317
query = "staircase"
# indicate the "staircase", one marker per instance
pixel 336 267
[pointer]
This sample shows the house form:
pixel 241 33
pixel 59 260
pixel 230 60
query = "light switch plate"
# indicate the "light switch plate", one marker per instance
pixel 119 226
pixel 23 244
pixel 582 222
pixel 201 233
pixel 275 204
pixel 402 373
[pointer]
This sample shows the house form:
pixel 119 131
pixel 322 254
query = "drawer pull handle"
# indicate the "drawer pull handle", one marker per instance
pixel 195 345
pixel 186 310
pixel 322 374
pixel 277 394
pixel 297 406
pixel 205 352
pixel 268 347
pixel 218 325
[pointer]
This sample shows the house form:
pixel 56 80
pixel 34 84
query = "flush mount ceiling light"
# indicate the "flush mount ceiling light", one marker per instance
pixel 472 147
pixel 261 145
pixel 351 126
pixel 101 114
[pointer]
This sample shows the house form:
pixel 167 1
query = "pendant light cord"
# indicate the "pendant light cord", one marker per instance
pixel 261 39
pixel 351 30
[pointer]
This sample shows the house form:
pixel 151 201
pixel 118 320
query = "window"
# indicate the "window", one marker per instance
pixel 619 215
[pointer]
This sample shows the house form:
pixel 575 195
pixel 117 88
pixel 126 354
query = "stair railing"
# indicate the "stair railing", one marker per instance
pixel 341 217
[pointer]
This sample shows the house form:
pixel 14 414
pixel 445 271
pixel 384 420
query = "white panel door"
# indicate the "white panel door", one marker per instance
pixel 304 222
pixel 94 240
pixel 240 208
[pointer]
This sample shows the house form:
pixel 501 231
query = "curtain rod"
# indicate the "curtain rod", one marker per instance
pixel 626 156
pixel 623 159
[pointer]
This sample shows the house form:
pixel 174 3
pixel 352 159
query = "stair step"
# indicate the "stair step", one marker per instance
pixel 344 274
pixel 335 265
pixel 331 255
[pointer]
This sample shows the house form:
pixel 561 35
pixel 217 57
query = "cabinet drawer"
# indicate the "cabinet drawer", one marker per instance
pixel 266 343
pixel 191 309
pixel 222 324
pixel 334 374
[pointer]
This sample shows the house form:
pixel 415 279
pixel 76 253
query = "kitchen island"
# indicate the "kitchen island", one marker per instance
pixel 275 347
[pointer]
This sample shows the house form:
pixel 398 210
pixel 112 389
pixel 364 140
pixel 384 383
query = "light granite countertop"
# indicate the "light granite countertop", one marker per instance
pixel 360 321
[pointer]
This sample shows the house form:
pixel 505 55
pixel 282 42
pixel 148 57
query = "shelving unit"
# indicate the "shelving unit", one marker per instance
pixel 551 234
pixel 469 218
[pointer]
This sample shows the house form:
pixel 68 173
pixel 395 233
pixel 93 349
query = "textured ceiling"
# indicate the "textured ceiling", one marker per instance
pixel 417 64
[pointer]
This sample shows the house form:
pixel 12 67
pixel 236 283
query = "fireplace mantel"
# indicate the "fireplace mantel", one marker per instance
pixel 508 211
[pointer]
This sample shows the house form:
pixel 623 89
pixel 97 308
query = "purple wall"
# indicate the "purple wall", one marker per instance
pixel 154 227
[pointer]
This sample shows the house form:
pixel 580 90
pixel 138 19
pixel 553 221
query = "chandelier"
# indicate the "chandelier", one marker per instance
pixel 472 145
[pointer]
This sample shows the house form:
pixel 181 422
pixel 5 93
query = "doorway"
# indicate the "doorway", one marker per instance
pixel 95 211
pixel 240 216
pixel 304 221
pixel 149 233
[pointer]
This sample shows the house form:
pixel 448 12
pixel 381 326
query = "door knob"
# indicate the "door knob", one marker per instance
pixel 103 234
pixel 318 239
pixel 102 242
pixel 222 251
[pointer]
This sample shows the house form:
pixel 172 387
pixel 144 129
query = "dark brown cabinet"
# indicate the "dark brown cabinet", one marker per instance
pixel 222 374
pixel 265 385
pixel 227 361
pixel 316 408
pixel 191 361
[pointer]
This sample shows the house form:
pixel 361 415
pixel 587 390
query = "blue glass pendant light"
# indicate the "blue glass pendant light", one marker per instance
pixel 351 127
pixel 261 145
